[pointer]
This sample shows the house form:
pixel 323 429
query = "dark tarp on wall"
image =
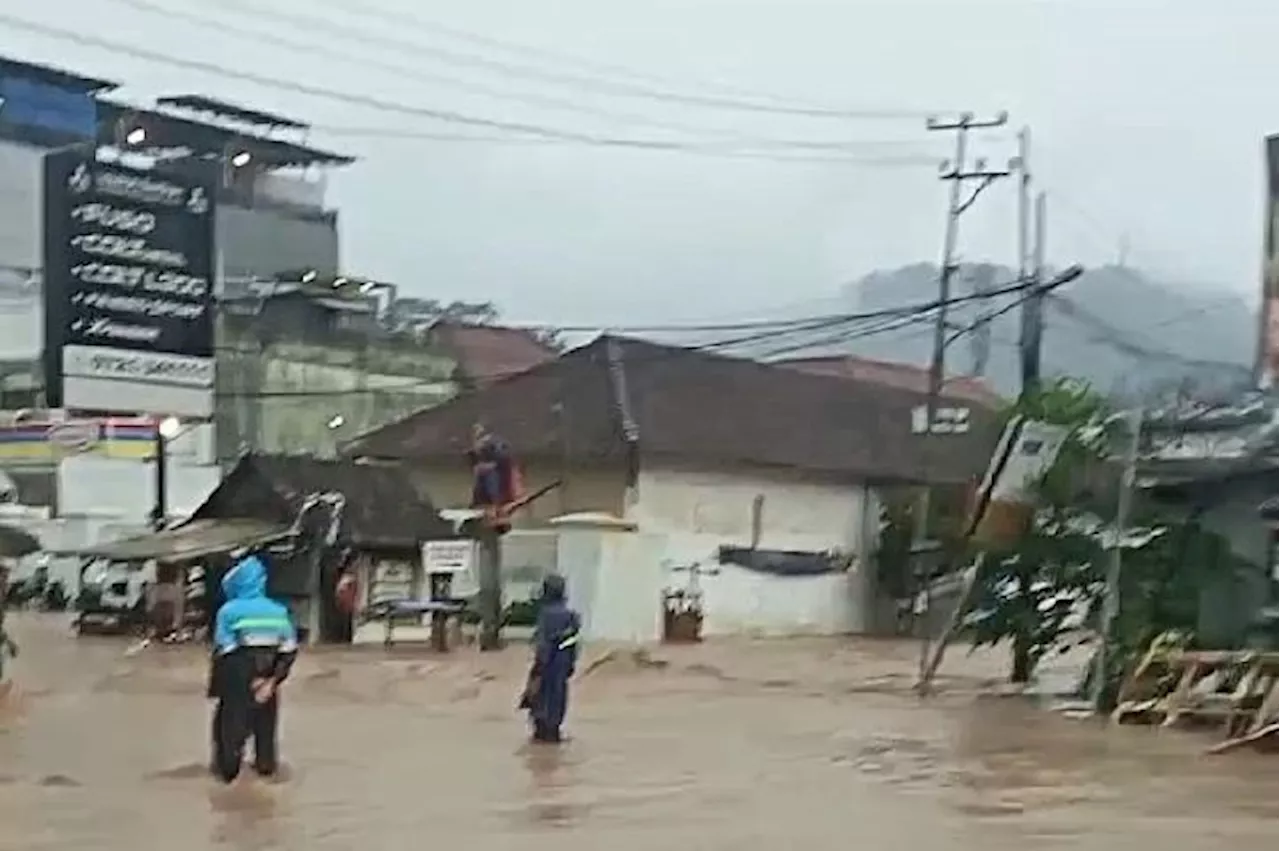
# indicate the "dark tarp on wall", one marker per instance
pixel 782 562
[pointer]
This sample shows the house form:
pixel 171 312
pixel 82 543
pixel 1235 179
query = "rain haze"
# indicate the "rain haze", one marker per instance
pixel 1147 119
pixel 724 560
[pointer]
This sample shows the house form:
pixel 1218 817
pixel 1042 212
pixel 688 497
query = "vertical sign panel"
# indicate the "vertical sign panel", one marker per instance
pixel 129 270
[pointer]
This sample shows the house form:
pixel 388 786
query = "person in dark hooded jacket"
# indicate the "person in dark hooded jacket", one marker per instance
pixel 255 643
pixel 555 656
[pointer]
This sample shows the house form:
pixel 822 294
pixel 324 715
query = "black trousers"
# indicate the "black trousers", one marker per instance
pixel 237 718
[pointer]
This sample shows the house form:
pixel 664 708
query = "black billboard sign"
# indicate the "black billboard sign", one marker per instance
pixel 129 265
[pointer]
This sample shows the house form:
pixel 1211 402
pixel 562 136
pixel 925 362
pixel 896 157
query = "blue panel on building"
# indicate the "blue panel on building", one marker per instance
pixel 40 106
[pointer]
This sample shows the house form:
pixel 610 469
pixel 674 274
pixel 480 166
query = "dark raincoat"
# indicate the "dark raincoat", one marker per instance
pixel 555 656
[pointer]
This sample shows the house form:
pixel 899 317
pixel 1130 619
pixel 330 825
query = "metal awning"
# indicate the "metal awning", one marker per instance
pixel 193 540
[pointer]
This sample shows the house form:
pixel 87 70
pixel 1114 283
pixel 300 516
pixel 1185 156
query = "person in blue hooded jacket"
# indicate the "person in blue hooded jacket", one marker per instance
pixel 254 646
pixel 555 656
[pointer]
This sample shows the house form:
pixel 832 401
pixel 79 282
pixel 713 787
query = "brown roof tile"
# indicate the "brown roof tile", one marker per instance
pixel 690 405
pixel 486 353
pixel 894 374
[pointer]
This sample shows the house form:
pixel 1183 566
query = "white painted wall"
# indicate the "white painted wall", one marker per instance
pixel 698 511
pixel 21 249
pixel 124 489
pixel 615 579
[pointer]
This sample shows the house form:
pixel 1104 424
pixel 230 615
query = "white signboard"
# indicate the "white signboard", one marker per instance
pixel 392 580
pixel 946 420
pixel 448 556
pixel 1033 454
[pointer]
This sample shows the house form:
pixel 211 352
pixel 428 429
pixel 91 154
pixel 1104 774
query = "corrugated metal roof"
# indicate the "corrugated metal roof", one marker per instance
pixel 190 541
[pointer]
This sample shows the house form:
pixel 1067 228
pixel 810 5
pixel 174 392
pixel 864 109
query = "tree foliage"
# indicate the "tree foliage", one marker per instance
pixel 1044 595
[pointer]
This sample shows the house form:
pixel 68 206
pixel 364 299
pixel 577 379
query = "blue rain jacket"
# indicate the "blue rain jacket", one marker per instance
pixel 253 635
pixel 249 618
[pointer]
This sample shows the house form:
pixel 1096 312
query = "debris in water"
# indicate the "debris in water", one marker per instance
pixel 186 771
pixel 644 659
pixel 60 781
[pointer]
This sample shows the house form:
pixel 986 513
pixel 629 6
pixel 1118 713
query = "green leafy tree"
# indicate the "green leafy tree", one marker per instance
pixel 1041 591
pixel 1045 594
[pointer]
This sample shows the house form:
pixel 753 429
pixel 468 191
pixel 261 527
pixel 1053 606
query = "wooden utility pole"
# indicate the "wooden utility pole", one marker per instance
pixel 485 531
pixel 959 175
pixel 489 546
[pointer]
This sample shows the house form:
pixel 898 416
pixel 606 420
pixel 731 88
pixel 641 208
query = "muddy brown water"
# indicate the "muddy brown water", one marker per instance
pixel 736 745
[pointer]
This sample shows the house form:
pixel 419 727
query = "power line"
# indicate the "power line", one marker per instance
pixel 349 33
pixel 890 319
pixel 844 337
pixel 402 19
pixel 1105 332
pixel 360 100
pixel 905 315
pixel 788 325
pixel 308 48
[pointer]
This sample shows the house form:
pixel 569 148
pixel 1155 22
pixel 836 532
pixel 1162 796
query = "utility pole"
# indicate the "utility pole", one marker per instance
pixel 1024 208
pixel 1031 340
pixel 959 175
pixel 1111 600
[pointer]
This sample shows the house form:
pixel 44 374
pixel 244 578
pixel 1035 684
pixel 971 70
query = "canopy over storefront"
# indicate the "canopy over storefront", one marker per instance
pixel 194 540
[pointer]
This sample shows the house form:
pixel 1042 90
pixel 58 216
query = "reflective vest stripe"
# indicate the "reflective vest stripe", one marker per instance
pixel 281 624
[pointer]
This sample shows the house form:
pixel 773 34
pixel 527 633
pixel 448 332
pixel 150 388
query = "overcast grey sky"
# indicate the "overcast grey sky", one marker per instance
pixel 1147 115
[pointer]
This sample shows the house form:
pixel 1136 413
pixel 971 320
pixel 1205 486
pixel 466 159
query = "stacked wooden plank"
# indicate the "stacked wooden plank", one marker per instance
pixel 1234 691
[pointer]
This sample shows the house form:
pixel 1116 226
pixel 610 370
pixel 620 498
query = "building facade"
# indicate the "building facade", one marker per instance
pixel 307 366
pixel 271 211
pixel 271 216
pixel 761 482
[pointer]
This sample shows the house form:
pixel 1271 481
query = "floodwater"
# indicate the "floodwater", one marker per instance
pixel 737 745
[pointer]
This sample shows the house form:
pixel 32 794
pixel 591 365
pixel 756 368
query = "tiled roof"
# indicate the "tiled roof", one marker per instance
pixel 693 406
pixel 487 353
pixel 902 375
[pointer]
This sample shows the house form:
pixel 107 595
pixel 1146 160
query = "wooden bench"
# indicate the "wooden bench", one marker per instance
pixel 443 614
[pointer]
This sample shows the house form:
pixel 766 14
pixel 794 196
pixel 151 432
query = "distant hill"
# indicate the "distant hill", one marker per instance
pixel 1125 333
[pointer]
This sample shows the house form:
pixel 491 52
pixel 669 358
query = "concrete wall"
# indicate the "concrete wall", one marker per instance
pixel 263 242
pixel 683 517
pixel 21 250
pixel 284 396
pixel 699 511
pixel 702 510
pixel 615 579
pixel 22 197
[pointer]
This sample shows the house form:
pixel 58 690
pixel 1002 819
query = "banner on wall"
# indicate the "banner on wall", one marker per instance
pixel 30 444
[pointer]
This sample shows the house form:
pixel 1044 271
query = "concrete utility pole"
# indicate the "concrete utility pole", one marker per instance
pixel 1031 340
pixel 1111 600
pixel 959 175
pixel 1023 163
